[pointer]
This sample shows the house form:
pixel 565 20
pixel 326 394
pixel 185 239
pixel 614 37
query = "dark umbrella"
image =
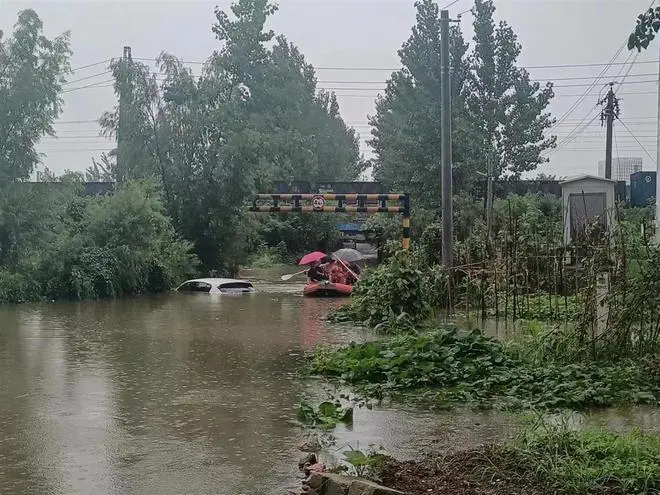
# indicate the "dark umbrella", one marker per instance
pixel 348 255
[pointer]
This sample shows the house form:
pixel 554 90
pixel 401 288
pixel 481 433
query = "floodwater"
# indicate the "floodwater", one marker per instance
pixel 179 394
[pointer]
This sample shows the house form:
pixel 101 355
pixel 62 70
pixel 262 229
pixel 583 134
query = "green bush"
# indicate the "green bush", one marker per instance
pixel 386 297
pixel 470 368
pixel 16 287
pixel 102 247
pixel 591 461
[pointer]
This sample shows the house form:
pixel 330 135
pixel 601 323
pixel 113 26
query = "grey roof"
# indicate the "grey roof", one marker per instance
pixel 578 178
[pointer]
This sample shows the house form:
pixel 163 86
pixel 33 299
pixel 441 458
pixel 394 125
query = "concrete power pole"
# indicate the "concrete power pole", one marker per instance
pixel 445 131
pixel 122 166
pixel 609 113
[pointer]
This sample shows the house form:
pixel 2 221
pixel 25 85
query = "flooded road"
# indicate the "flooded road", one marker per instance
pixel 172 394
pixel 179 394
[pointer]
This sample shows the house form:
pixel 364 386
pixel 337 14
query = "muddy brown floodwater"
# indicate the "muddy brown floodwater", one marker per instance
pixel 181 394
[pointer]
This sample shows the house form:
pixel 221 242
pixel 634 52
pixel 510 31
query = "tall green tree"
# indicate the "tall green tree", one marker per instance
pixel 32 72
pixel 252 117
pixel 506 112
pixel 496 110
pixel 406 131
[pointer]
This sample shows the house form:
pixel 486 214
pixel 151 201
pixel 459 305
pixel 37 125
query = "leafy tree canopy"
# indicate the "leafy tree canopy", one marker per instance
pixel 497 111
pixel 253 116
pixel 32 71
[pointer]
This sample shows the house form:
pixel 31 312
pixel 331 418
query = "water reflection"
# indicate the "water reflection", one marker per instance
pixel 180 394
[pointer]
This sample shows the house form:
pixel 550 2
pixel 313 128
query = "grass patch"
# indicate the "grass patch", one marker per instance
pixel 592 461
pixel 555 460
pixel 453 366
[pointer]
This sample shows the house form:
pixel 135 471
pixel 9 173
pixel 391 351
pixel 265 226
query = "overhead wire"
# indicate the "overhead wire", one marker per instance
pixel 76 150
pixel 572 136
pixel 369 69
pixel 344 81
pixel 110 83
pixel 628 71
pixel 562 121
pixel 616 144
pixel 450 4
pixel 88 77
pixel 579 101
pixel 637 140
pixel 99 84
pixel 82 67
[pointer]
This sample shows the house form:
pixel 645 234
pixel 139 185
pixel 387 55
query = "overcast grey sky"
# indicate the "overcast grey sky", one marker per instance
pixel 338 35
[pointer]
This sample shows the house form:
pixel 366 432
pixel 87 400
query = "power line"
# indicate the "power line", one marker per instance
pixel 450 4
pixel 642 146
pixel 66 122
pixel 322 81
pixel 96 150
pixel 572 136
pixel 81 136
pixel 77 150
pixel 629 68
pixel 88 77
pixel 368 69
pixel 586 92
pixel 540 80
pixel 109 84
pixel 637 120
pixel 82 67
pixel 616 143
pixel 100 84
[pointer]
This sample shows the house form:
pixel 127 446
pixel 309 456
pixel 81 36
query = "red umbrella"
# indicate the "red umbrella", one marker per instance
pixel 310 258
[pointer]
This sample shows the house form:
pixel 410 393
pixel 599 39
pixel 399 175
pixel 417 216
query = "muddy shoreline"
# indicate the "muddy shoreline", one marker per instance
pixel 457 474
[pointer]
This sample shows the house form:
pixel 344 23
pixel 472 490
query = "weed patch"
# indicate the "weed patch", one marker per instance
pixel 391 296
pixel 467 367
pixel 555 461
pixel 592 461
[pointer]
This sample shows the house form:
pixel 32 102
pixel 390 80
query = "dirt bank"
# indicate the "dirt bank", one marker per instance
pixel 459 474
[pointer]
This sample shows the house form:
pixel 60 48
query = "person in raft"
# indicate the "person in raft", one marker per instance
pixel 317 272
pixel 338 274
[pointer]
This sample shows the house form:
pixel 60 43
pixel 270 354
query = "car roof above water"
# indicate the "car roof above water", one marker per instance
pixel 217 283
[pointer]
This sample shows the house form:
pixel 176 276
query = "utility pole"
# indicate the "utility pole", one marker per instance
pixel 445 131
pixel 657 167
pixel 607 116
pixel 122 166
pixel 489 196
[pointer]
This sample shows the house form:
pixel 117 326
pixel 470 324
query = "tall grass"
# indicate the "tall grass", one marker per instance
pixel 589 461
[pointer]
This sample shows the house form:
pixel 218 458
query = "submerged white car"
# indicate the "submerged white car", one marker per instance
pixel 216 286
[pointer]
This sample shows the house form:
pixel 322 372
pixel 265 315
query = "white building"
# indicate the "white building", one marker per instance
pixel 622 167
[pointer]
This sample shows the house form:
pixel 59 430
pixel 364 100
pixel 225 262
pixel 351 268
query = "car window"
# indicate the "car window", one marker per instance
pixel 195 287
pixel 235 285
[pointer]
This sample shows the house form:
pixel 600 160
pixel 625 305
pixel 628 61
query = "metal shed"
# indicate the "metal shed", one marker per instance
pixel 587 198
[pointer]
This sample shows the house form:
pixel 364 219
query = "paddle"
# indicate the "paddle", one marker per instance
pixel 289 276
